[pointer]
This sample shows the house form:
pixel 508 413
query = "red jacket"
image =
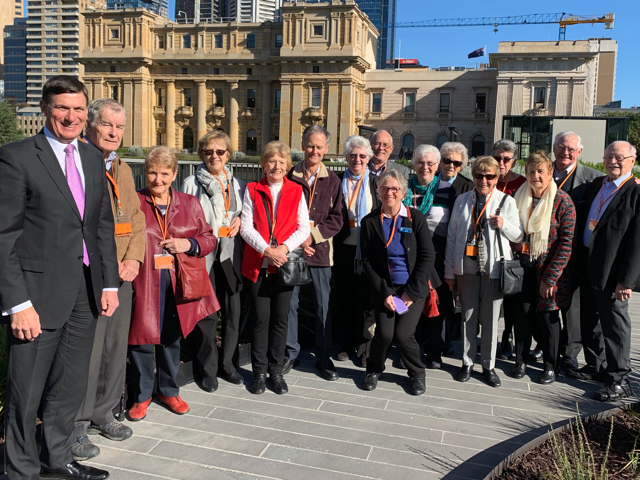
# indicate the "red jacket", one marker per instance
pixel 286 221
pixel 185 220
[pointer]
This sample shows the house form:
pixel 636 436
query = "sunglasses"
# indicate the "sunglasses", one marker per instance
pixel 455 163
pixel 504 160
pixel 209 153
pixel 488 176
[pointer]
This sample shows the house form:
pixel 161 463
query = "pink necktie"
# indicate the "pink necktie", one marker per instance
pixel 75 185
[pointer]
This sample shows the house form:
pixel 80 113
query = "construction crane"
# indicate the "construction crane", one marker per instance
pixel 563 19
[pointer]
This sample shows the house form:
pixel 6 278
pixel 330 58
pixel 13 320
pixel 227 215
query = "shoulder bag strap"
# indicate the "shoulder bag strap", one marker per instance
pixel 500 230
pixel 267 211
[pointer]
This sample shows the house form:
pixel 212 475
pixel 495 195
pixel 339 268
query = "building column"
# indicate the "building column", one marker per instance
pixel 151 93
pixel 562 96
pixel 346 112
pixel 127 102
pixel 170 122
pixel 501 107
pixel 266 112
pixel 578 99
pixel 97 89
pixel 296 116
pixel 285 112
pixel 233 115
pixel 202 110
pixel 141 111
pixel 332 116
pixel 517 98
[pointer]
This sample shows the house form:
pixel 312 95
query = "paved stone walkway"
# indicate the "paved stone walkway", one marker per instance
pixel 336 430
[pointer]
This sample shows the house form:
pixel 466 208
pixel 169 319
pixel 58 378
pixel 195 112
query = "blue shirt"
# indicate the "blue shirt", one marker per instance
pixel 607 189
pixel 398 260
pixel 451 180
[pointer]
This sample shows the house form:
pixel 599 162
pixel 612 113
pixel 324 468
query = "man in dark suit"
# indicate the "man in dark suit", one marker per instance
pixel 609 239
pixel 58 272
pixel 574 178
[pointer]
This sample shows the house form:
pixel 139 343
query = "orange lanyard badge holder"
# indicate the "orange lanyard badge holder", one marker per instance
pixel 472 248
pixel 594 222
pixel 122 222
pixel 163 260
pixel 352 197
pixel 225 229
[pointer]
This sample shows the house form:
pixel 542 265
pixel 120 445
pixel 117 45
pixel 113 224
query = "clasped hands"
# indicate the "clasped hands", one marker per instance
pixel 388 302
pixel 276 256
pixel 176 245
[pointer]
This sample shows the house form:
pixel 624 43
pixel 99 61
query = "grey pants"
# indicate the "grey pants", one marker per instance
pixel 107 365
pixel 481 302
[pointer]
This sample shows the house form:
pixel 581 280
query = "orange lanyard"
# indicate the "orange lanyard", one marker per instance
pixel 567 178
pixel 227 196
pixel 612 194
pixel 507 182
pixel 393 227
pixel 116 192
pixel 475 221
pixel 163 226
pixel 355 192
pixel 313 190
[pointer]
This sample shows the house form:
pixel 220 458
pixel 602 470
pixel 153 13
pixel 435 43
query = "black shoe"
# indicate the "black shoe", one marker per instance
pixel 113 430
pixel 587 372
pixel 209 384
pixel 465 373
pixel 342 356
pixel 547 377
pixel 74 471
pixel 448 350
pixel 234 378
pixel 370 381
pixel 530 358
pixel 518 370
pixel 570 363
pixel 613 393
pixel 83 449
pixel 418 385
pixel 259 383
pixel 433 365
pixel 492 377
pixel 327 369
pixel 537 354
pixel 278 384
pixel 289 364
pixel 505 352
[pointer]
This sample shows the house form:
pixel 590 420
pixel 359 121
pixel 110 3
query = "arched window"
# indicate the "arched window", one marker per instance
pixel 252 142
pixel 442 138
pixel 409 141
pixel 187 138
pixel 477 146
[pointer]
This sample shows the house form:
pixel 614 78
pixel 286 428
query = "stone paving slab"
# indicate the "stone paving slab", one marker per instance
pixel 338 431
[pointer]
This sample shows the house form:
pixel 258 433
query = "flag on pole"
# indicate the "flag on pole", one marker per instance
pixel 477 53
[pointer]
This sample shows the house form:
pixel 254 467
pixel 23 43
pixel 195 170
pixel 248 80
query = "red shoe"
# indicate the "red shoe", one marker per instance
pixel 175 404
pixel 138 411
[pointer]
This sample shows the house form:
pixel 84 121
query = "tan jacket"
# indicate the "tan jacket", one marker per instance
pixel 130 247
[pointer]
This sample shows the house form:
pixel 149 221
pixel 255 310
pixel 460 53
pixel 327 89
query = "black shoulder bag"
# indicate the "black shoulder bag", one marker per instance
pixel 511 271
pixel 295 271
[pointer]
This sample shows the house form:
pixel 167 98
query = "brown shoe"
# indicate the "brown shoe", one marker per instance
pixel 175 404
pixel 138 411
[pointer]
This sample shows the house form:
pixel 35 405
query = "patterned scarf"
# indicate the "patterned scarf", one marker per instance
pixel 361 208
pixel 428 193
pixel 482 247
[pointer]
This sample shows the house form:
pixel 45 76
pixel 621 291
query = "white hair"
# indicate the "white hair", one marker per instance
pixel 506 146
pixel 562 135
pixel 424 150
pixel 402 181
pixel 455 147
pixel 631 147
pixel 356 141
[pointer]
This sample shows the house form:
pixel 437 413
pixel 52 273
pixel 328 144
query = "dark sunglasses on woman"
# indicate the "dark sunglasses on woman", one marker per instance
pixel 455 163
pixel 488 176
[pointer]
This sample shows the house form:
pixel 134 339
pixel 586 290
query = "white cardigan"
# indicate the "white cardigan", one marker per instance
pixel 460 221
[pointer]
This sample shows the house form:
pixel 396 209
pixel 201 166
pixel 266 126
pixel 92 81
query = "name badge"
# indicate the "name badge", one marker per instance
pixel 404 229
pixel 162 261
pixel 311 223
pixel 352 223
pixel 472 251
pixel 592 224
pixel 123 225
pixel 525 248
pixel 224 231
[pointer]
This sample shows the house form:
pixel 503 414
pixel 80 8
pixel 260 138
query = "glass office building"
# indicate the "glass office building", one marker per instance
pixel 15 61
pixel 159 7
pixel 382 12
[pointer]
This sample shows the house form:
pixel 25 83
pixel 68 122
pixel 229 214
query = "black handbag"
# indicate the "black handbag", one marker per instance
pixel 295 271
pixel 511 271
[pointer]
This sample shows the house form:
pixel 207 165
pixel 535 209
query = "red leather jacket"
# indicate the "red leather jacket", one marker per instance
pixel 185 220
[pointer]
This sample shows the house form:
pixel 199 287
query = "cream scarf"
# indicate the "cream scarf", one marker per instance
pixel 539 223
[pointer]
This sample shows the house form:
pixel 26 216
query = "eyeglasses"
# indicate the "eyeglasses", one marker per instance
pixel 379 144
pixel 618 158
pixel 209 153
pixel 564 147
pixel 425 164
pixel 488 176
pixel 361 156
pixel 504 160
pixel 394 190
pixel 455 163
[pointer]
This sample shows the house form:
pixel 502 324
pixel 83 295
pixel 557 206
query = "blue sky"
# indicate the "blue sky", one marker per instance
pixel 451 45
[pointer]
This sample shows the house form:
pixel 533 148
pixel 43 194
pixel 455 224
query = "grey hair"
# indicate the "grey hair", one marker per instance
pixel 377 132
pixel 315 129
pixel 96 107
pixel 562 135
pixel 455 147
pixel 631 147
pixel 390 173
pixel 506 146
pixel 422 151
pixel 356 141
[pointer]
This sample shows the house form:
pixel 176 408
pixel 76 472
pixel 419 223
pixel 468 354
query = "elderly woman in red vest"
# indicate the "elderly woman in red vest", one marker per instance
pixel 269 238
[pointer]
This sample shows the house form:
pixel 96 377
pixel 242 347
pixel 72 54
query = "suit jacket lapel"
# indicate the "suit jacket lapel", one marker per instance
pixel 89 174
pixel 377 224
pixel 616 201
pixel 50 162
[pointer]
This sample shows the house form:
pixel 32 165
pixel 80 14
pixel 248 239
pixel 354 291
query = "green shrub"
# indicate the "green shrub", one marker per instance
pixel 135 151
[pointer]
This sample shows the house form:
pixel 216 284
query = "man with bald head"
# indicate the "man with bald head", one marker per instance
pixel 573 178
pixel 382 146
pixel 609 259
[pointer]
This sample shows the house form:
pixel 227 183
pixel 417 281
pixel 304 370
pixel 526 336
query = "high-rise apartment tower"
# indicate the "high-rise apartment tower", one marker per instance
pixel 254 10
pixel 382 13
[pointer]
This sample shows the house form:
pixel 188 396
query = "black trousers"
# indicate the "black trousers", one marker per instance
pixel 399 329
pixel 56 363
pixel 230 309
pixel 354 298
pixel 521 309
pixel 270 310
pixel 549 337
pixel 166 355
pixel 107 365
pixel 570 338
pixel 431 331
pixel 606 332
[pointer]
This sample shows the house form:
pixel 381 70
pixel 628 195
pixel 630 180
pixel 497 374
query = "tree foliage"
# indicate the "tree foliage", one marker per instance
pixel 9 132
pixel 634 126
